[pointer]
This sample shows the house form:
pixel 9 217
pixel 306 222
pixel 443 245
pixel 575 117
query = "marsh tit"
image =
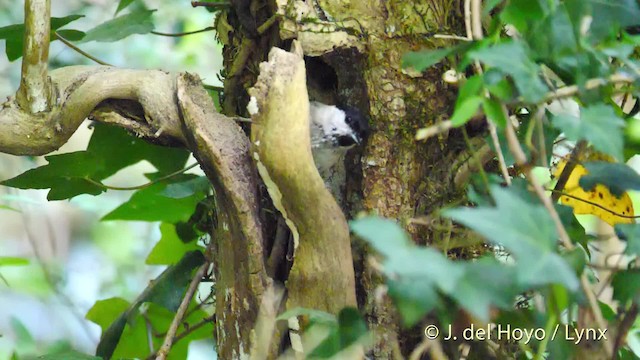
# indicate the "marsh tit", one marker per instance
pixel 334 130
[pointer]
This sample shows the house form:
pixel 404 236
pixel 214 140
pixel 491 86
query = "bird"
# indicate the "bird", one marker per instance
pixel 335 129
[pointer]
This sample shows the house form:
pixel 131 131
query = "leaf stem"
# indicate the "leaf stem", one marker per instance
pixel 80 51
pixel 209 28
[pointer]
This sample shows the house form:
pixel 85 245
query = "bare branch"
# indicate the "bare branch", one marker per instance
pixel 34 94
pixel 182 309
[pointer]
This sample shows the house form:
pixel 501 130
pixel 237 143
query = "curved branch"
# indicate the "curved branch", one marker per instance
pixel 79 90
pixel 222 149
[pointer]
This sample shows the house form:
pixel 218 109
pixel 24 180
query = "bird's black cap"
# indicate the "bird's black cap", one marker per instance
pixel 356 120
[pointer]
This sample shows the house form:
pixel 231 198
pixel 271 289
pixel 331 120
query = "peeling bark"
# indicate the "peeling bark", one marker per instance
pixel 322 276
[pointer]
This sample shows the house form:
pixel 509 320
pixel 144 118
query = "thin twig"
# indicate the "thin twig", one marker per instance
pixel 177 319
pixel 451 37
pixel 574 159
pixel 220 4
pixel 467 19
pixel 476 22
pixel 80 51
pixel 476 34
pixel 208 28
pixel 521 159
pixel 626 324
pixel 590 84
pixel 439 128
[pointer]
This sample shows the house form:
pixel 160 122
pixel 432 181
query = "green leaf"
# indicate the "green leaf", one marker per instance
pixel 71 35
pixel 413 298
pixel 417 273
pixel 66 175
pixel 617 177
pixel 493 110
pixel 120 149
pixel 512 58
pixel 166 290
pixel 24 339
pixel 526 231
pixel 576 231
pixel 626 286
pixel 384 235
pixel 576 258
pixel 489 5
pixel 180 190
pixel 138 22
pixel 150 204
pixel 501 89
pixel 598 124
pixel 123 5
pixel 609 16
pixel 486 283
pixel 467 109
pixel 520 13
pixel 14 35
pixel 110 149
pixel 111 316
pixel 169 249
pixel 351 329
pixel 104 312
pixel 13 261
pixel 470 88
pixel 631 233
pixel 554 38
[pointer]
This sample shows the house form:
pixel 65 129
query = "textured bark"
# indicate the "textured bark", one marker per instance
pixel 223 150
pixel 362 43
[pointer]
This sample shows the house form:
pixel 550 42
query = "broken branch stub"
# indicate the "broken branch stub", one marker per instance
pixel 322 276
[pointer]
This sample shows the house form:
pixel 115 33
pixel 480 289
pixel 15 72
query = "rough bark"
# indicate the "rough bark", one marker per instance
pixel 362 43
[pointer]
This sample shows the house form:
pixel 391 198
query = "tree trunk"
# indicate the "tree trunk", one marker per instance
pixel 358 62
pixel 353 52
